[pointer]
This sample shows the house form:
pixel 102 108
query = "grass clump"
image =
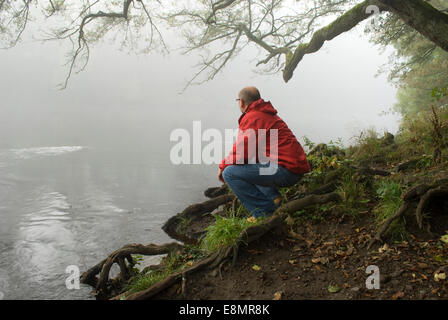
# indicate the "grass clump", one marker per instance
pixel 143 281
pixel 389 193
pixel 352 190
pixel 224 231
pixel 172 263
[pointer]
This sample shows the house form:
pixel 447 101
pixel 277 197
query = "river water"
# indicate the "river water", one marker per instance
pixel 72 205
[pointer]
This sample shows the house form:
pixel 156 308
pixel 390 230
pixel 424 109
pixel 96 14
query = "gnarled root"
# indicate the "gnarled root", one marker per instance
pixel 425 199
pixel 387 223
pixel 421 194
pixel 191 213
pixel 119 256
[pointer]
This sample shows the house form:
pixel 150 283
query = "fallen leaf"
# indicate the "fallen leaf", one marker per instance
pixel 256 268
pixel 444 239
pixel 383 248
pixel 322 260
pixel 398 295
pixel 333 289
pixel 422 265
pixel 439 276
pixel 278 295
pixel 350 251
pixel 189 263
pixel 293 262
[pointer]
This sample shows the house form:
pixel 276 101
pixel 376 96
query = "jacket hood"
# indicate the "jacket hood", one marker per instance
pixel 262 106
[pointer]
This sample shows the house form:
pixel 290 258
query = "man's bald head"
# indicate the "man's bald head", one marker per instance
pixel 249 95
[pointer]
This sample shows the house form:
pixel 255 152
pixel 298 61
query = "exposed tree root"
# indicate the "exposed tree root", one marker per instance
pixel 170 280
pixel 216 191
pixel 387 223
pixel 119 256
pixel 191 213
pixel 373 171
pixel 422 194
pixel 425 199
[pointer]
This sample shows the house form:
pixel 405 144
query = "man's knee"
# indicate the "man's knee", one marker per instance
pixel 227 173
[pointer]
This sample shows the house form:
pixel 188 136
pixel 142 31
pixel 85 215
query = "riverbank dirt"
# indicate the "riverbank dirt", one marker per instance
pixel 324 260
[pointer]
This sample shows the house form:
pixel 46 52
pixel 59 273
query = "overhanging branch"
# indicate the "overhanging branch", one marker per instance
pixel 342 24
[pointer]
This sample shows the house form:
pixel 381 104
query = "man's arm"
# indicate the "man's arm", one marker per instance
pixel 241 148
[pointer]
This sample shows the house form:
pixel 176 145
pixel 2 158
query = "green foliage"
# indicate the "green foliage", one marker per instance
pixel 352 190
pixel 172 263
pixel 439 93
pixel 368 146
pixel 324 158
pixel 145 280
pixel 308 144
pixel 415 62
pixel 389 193
pixel 389 190
pixel 416 136
pixel 224 232
pixel 183 224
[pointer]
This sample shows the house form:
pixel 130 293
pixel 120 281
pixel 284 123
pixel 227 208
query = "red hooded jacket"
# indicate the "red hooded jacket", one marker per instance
pixel 262 115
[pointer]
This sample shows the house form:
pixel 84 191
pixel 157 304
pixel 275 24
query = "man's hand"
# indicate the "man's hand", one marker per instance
pixel 220 178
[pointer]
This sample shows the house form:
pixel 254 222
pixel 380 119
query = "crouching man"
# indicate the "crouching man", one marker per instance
pixel 255 182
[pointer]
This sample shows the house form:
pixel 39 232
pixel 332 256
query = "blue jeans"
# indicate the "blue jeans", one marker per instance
pixel 256 191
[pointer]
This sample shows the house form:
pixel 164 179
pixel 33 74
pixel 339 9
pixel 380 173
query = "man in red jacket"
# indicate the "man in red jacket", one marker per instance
pixel 262 135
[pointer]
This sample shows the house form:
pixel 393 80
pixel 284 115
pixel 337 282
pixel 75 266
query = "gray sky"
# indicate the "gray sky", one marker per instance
pixel 134 101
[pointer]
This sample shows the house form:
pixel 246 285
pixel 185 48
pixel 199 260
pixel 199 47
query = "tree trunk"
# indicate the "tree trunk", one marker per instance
pixel 420 15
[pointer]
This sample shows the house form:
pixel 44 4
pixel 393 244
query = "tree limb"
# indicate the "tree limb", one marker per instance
pixel 344 23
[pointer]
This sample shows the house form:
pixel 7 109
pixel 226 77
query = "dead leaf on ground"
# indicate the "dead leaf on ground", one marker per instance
pixel 278 295
pixel 383 248
pixel 350 251
pixel 439 276
pixel 322 260
pixel 398 295
pixel 333 289
pixel 422 265
pixel 256 268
